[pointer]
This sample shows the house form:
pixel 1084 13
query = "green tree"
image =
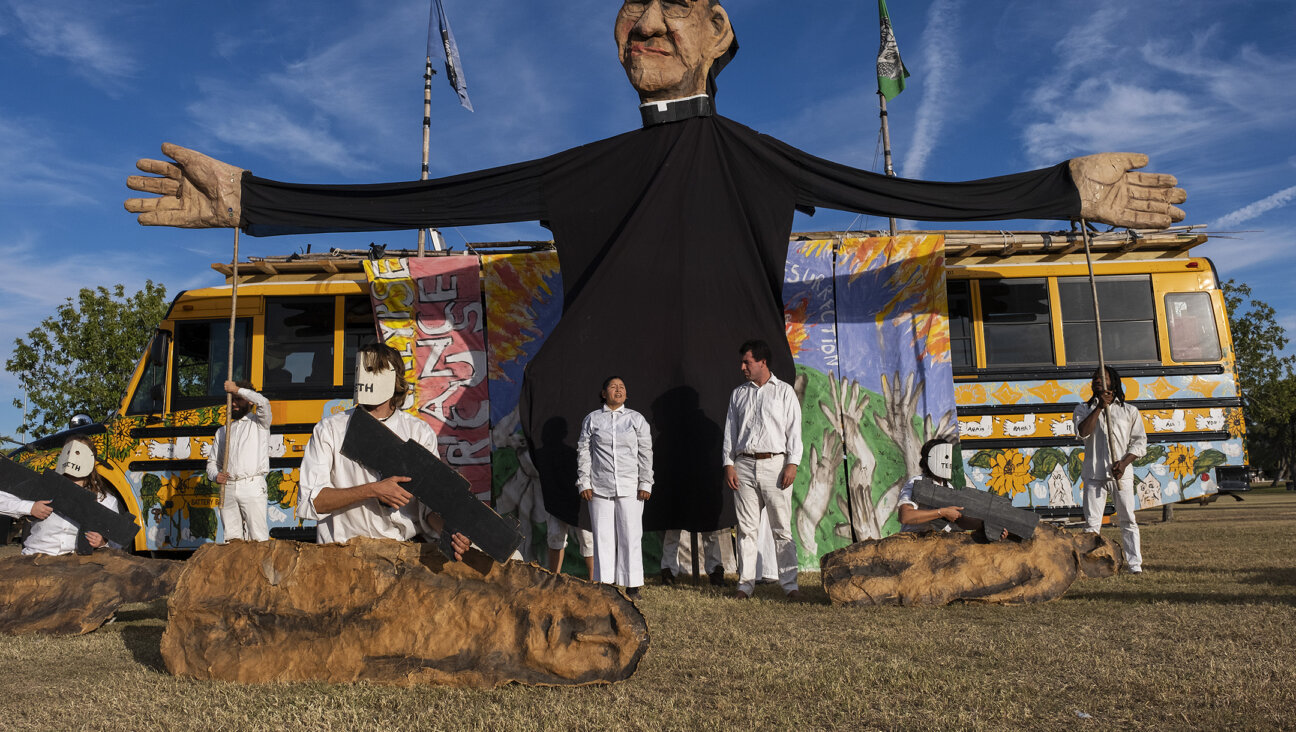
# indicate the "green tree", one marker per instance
pixel 1265 379
pixel 81 358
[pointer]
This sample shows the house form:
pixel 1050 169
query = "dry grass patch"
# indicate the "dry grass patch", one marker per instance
pixel 1198 641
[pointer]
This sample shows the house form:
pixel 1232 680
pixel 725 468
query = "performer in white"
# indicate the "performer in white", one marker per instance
pixel 51 533
pixel 614 474
pixel 247 460
pixel 762 448
pixel 937 461
pixel 345 499
pixel 1100 475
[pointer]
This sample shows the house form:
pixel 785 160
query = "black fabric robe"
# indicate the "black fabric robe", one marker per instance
pixel 672 242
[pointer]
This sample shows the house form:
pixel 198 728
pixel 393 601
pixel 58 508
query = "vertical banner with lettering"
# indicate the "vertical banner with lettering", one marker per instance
pixel 430 310
pixel 450 358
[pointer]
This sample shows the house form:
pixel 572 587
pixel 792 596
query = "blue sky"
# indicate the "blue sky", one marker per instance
pixel 331 91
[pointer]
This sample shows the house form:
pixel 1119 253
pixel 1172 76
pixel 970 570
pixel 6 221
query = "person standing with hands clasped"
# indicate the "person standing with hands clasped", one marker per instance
pixel 614 462
pixel 762 448
pixel 1127 438
pixel 244 446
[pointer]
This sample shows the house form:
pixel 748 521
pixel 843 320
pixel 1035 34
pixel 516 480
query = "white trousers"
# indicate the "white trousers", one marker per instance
pixel 557 531
pixel 758 488
pixel 1095 499
pixel 709 541
pixel 766 554
pixel 244 511
pixel 618 537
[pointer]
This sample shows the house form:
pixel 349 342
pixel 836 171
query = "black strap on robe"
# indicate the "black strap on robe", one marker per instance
pixel 672 242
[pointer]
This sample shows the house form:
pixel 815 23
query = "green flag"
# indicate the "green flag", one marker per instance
pixel 890 69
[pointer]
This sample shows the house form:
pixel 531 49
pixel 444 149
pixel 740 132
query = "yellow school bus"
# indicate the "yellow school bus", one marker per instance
pixel 1024 349
pixel 1015 359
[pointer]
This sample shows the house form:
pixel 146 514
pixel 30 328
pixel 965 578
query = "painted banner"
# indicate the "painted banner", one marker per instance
pixel 873 395
pixel 430 309
pixel 523 301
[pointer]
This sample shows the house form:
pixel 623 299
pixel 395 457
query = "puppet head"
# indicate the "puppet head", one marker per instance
pixel 937 458
pixel 379 376
pixel 77 460
pixel 672 49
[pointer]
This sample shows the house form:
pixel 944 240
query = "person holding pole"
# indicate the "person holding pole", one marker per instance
pixel 1109 426
pixel 239 461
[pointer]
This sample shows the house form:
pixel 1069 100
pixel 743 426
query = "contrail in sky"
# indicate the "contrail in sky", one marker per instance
pixel 936 74
pixel 1250 211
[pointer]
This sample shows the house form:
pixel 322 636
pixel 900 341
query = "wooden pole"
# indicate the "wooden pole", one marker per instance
pixel 886 149
pixel 229 364
pixel 1102 361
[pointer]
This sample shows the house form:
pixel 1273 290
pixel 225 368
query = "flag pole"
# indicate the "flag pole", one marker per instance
pixel 427 128
pixel 886 149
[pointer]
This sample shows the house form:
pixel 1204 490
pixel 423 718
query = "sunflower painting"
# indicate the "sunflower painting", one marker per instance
pixel 1010 473
pixel 1180 461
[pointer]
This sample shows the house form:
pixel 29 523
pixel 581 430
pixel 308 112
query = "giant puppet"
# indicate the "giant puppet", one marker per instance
pixel 689 215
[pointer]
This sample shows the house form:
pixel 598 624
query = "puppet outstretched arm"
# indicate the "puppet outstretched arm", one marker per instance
pixel 1101 188
pixel 196 191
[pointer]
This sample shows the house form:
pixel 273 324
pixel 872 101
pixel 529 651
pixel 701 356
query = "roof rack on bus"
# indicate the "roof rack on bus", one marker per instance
pixel 964 243
pixel 336 261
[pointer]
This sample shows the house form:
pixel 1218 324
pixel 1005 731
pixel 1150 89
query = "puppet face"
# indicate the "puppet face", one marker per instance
pixel 76 460
pixel 614 395
pixel 373 387
pixel 667 46
pixel 940 460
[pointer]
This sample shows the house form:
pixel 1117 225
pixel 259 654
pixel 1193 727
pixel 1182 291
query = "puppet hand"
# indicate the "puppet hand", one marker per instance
pixel 1111 193
pixel 389 492
pixel 41 510
pixel 94 539
pixel 194 192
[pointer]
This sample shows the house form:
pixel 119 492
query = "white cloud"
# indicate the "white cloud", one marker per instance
pixel 269 129
pixel 37 170
pixel 1253 210
pixel 1115 116
pixel 940 66
pixel 74 32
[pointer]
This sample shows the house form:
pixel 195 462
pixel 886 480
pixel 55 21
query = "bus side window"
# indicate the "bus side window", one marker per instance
pixel 298 343
pixel 960 324
pixel 199 361
pixel 360 331
pixel 1016 322
pixel 1191 322
pixel 1128 319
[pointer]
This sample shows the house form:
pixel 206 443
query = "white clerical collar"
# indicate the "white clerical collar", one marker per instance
pixel 676 110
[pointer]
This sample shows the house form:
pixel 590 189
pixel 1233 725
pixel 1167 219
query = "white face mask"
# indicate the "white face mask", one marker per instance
pixel 373 387
pixel 940 460
pixel 76 460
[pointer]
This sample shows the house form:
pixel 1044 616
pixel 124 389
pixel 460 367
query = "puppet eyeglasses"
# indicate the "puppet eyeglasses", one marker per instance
pixel 669 8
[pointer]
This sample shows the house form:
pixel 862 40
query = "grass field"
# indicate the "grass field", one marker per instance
pixel 1201 640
